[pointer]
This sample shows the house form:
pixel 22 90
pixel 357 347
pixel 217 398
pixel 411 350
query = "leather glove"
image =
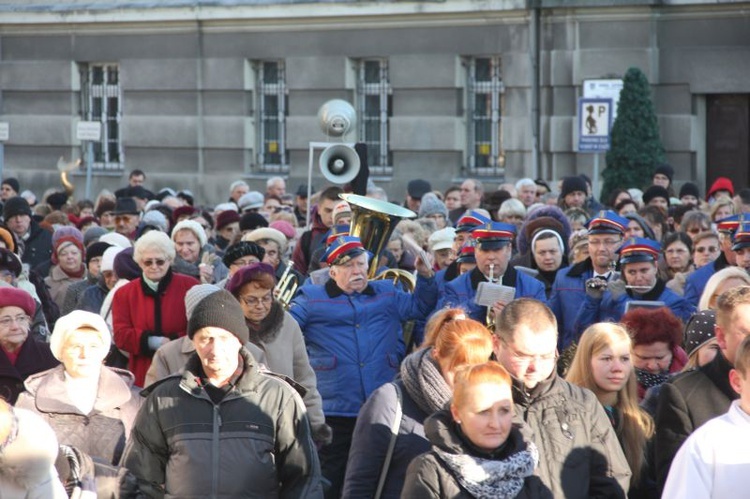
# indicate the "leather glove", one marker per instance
pixel 617 288
pixel 595 287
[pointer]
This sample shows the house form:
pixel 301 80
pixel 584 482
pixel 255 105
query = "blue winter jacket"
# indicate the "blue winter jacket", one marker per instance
pixel 568 293
pixel 696 282
pixel 611 309
pixel 460 292
pixel 355 342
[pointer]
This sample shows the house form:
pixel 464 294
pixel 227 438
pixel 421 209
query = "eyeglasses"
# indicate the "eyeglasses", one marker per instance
pixel 242 263
pixel 156 261
pixel 698 230
pixel 252 301
pixel 710 249
pixel 123 218
pixel 21 320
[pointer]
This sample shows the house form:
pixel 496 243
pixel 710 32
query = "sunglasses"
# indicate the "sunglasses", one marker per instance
pixel 697 230
pixel 710 249
pixel 123 218
pixel 157 261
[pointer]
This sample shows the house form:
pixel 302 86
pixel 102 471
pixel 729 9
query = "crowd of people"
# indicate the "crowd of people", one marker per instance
pixel 528 342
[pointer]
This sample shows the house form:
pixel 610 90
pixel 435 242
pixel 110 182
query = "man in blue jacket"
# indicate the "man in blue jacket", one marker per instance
pixel 493 249
pixel 696 282
pixel 353 335
pixel 606 231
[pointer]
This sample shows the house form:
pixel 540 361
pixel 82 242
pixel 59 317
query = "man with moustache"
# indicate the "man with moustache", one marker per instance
pixel 353 335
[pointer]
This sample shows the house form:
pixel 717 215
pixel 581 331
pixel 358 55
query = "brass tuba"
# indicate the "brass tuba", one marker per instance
pixel 286 287
pixel 373 222
pixel 64 168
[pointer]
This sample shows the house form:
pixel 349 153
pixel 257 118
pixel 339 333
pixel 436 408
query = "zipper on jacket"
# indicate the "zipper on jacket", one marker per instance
pixel 215 452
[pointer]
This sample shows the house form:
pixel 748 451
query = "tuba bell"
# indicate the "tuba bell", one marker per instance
pixel 373 222
pixel 64 168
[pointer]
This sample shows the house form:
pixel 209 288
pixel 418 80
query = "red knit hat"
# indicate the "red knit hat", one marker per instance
pixel 62 242
pixel 720 184
pixel 14 297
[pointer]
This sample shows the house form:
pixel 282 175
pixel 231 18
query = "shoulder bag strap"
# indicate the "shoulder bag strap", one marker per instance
pixel 395 427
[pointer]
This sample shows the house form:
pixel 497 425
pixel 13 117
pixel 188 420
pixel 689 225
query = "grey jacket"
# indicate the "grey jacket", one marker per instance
pixel 579 454
pixel 256 442
pixel 103 432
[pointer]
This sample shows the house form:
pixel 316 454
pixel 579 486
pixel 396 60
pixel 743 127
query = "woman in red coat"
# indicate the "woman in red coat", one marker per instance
pixel 150 311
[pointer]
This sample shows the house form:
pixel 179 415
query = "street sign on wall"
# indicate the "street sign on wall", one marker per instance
pixel 594 124
pixel 604 89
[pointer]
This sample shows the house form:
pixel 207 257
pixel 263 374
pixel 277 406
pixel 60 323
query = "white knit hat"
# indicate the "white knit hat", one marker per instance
pixel 116 239
pixel 196 294
pixel 75 320
pixel 193 226
pixel 108 258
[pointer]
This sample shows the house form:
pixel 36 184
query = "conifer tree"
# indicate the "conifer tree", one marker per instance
pixel 635 147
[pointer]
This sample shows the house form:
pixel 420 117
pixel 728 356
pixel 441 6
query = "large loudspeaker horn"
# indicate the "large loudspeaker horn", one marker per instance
pixel 339 163
pixel 337 118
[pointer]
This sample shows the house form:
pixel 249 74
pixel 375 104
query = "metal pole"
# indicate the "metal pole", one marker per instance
pixel 595 179
pixel 2 159
pixel 89 166
pixel 309 185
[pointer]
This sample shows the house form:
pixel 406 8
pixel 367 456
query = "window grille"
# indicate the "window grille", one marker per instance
pixel 484 109
pixel 374 107
pixel 271 116
pixel 102 102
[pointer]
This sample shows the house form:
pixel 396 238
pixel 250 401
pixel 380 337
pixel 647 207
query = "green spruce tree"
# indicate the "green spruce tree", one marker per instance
pixel 636 146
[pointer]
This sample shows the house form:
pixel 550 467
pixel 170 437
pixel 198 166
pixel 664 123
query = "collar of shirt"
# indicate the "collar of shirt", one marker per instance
pixel 334 290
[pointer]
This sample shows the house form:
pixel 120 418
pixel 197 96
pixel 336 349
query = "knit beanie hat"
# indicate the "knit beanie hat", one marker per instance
pixel 16 206
pixel 182 211
pixel 699 330
pixel 125 267
pixel 689 189
pixel 65 236
pixel 225 218
pixel 665 169
pixel 196 294
pixel 108 258
pixel 251 221
pixel 97 249
pixel 240 249
pixel 93 234
pixel 156 219
pixel 655 191
pixel 573 184
pixel 720 184
pixel 222 310
pixel 194 227
pixel 431 205
pixel 13 183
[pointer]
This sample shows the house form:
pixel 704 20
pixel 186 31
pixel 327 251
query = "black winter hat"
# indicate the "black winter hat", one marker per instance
pixel 665 169
pixel 243 248
pixel 16 206
pixel 573 184
pixel 57 199
pixel 13 183
pixel 655 191
pixel 96 249
pixel 252 221
pixel 222 310
pixel 689 189
pixel 699 330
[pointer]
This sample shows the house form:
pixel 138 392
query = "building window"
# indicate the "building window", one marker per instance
pixel 374 107
pixel 485 154
pixel 271 116
pixel 102 102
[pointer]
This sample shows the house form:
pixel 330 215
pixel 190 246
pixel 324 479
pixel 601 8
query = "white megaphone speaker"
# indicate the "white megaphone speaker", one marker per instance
pixel 337 118
pixel 339 163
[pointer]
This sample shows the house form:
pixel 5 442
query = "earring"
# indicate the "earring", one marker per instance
pixel 458 422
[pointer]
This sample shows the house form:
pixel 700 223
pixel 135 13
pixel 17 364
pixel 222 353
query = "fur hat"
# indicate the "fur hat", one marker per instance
pixel 73 321
pixel 105 206
pixel 240 249
pixel 655 191
pixel 689 189
pixel 550 217
pixel 222 310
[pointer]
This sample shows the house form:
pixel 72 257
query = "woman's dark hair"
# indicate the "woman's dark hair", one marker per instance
pixel 674 237
pixel 613 197
pixel 655 215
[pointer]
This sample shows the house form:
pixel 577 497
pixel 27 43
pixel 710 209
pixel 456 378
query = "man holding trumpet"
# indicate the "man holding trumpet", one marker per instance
pixel 608 300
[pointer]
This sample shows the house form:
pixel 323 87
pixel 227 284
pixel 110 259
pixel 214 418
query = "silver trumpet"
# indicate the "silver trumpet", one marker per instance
pixel 489 319
pixel 286 287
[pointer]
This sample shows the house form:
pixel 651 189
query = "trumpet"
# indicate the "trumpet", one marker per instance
pixel 489 319
pixel 286 287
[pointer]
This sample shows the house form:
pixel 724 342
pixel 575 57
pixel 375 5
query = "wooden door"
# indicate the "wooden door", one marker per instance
pixel 728 139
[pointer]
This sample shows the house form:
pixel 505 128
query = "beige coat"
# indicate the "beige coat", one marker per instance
pixel 58 282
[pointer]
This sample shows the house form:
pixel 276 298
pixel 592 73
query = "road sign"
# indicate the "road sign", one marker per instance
pixel 604 89
pixel 89 130
pixel 4 131
pixel 594 123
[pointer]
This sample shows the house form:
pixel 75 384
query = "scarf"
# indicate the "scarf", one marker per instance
pixel 424 382
pixel 648 380
pixel 491 478
pixel 267 330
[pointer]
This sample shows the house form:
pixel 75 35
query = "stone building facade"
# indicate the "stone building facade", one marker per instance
pixel 199 94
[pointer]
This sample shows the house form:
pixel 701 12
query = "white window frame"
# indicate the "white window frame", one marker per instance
pixel 492 148
pixel 279 90
pixel 111 122
pixel 379 158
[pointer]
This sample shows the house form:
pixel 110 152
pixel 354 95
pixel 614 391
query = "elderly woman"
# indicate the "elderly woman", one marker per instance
pixel 278 335
pixel 195 257
pixel 67 263
pixel 150 310
pixel 20 354
pixel 677 264
pixel 476 449
pixel 89 406
pixel 94 253
pixel 723 280
pixel 274 244
pixel 238 255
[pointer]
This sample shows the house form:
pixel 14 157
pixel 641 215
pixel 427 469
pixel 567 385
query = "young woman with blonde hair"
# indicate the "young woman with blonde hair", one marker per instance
pixel 425 385
pixel 603 365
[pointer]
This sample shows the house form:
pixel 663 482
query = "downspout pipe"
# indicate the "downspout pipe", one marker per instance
pixel 534 57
